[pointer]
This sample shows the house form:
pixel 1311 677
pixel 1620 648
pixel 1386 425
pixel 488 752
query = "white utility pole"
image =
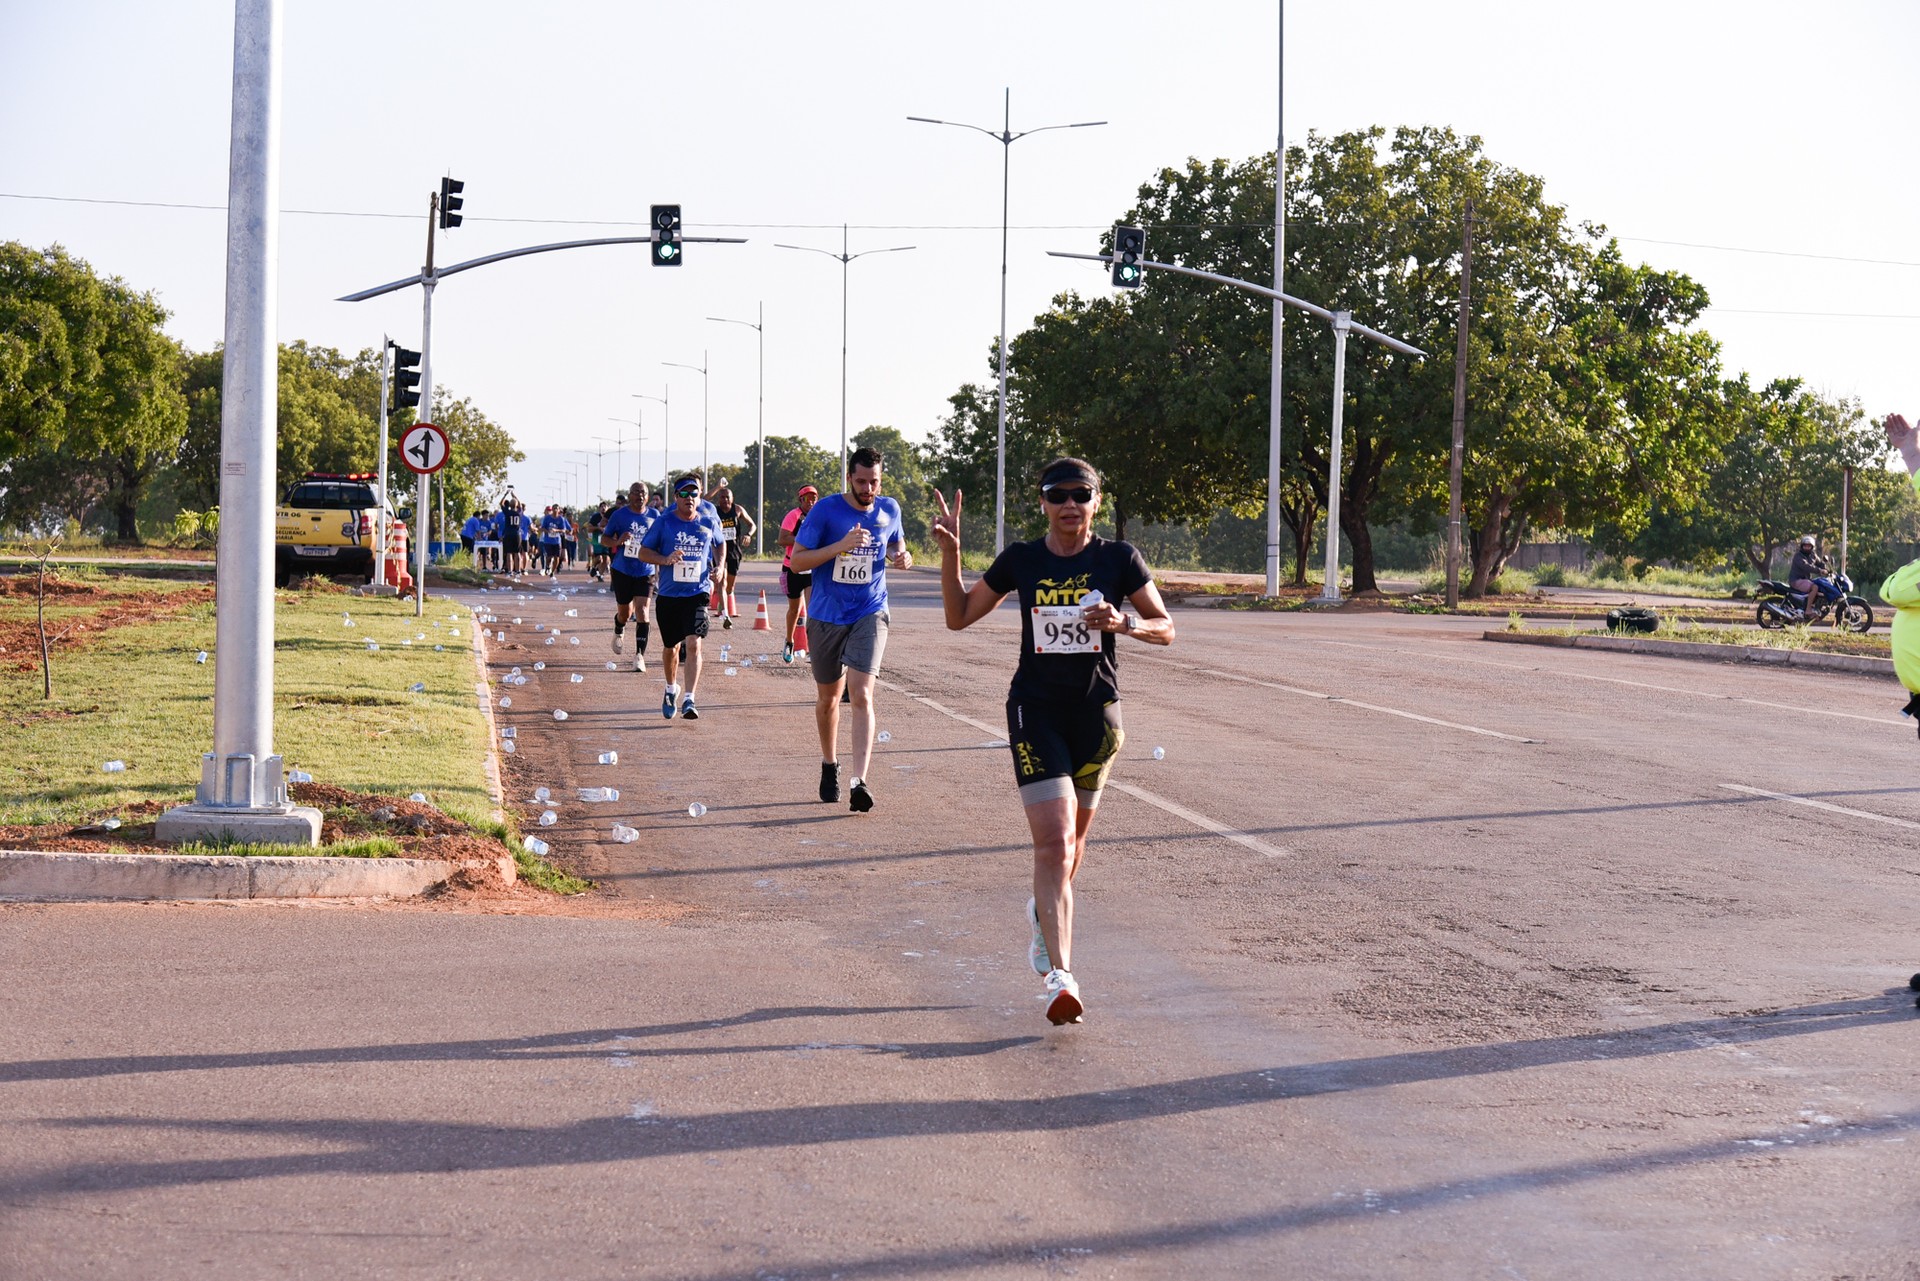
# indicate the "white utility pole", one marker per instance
pixel 760 511
pixel 242 794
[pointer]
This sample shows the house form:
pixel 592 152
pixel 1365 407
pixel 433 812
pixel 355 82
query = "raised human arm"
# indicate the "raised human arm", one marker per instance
pixel 807 558
pixel 964 606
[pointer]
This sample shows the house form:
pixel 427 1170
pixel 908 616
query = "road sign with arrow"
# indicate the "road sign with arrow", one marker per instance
pixel 424 448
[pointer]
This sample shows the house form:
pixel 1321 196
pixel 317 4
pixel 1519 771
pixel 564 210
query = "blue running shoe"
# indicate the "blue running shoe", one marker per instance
pixel 688 712
pixel 666 703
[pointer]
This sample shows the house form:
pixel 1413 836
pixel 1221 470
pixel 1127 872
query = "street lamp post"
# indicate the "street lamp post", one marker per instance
pixel 619 455
pixel 844 258
pixel 760 509
pixel 594 474
pixel 700 369
pixel 666 432
pixel 1006 138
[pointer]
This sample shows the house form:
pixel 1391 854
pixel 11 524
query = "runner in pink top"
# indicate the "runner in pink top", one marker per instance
pixel 796 584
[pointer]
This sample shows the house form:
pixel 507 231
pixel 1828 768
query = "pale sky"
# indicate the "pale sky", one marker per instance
pixel 1754 145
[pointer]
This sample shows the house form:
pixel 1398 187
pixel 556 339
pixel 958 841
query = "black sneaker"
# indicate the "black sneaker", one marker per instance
pixel 860 800
pixel 829 781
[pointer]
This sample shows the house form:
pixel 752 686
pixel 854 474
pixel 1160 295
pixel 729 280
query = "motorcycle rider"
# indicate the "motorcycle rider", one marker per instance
pixel 1809 569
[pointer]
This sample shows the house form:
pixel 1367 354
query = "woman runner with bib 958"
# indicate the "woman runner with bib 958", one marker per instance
pixel 1063 710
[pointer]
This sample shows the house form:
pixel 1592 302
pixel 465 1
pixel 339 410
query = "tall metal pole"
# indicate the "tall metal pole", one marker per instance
pixel 760 513
pixel 243 791
pixel 1342 322
pixel 1279 309
pixel 846 261
pixel 1456 462
pixel 380 531
pixel 1000 465
pixel 420 512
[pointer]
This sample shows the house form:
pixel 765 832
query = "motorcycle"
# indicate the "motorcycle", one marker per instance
pixel 1833 601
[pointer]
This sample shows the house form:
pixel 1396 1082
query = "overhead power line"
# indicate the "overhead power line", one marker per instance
pixel 907 226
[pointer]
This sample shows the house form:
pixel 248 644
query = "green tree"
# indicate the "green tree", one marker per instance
pixel 89 392
pixel 792 461
pixel 479 451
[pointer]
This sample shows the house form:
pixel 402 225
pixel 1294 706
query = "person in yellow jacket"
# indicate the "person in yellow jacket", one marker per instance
pixel 1902 588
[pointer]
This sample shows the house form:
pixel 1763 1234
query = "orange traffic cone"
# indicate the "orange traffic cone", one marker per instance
pixel 714 601
pixel 733 606
pixel 799 637
pixel 760 623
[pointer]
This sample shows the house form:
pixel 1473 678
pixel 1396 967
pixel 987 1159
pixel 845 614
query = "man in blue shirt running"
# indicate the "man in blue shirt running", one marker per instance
pixel 849 538
pixel 682 542
pixel 632 577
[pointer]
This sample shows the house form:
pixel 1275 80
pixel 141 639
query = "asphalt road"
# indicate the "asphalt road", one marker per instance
pixel 1414 957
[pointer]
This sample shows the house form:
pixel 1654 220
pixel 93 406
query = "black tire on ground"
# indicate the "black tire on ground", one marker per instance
pixel 1854 616
pixel 1768 619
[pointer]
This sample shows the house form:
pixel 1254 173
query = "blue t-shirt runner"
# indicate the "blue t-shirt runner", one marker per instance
pixel 854 583
pixel 693 542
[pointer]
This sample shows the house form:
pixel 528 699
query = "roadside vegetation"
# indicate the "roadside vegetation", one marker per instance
pixel 129 686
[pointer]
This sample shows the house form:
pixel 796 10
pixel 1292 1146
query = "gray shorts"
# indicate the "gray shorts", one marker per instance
pixel 832 647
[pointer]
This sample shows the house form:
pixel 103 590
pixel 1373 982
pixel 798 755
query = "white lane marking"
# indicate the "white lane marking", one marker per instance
pixel 1614 680
pixel 1174 808
pixel 1354 702
pixel 1819 805
pixel 1201 821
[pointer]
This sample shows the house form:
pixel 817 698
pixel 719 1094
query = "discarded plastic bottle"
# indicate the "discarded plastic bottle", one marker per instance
pixel 516 622
pixel 453 631
pixel 299 776
pixel 695 810
pixel 419 635
pixel 573 640
pixel 573 613
pixel 539 667
pixel 506 700
pixel 609 758
pixel 541 793
pixel 513 671
pixel 535 846
pixel 1159 753
pixel 599 793
pixel 372 646
pixel 111 824
pixel 624 834
pixel 576 679
pixel 733 671
pixel 506 745
pixel 884 736
pixel 114 767
pixel 548 818
pixel 612 666
pixel 201 657
pixel 418 798
pixel 549 640
pixel 559 714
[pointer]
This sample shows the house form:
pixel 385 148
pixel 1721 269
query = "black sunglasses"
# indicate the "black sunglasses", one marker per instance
pixel 690 491
pixel 1060 493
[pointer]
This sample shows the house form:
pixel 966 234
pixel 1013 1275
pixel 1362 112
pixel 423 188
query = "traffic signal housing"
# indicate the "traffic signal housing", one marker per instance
pixel 406 378
pixel 1129 248
pixel 450 202
pixel 665 220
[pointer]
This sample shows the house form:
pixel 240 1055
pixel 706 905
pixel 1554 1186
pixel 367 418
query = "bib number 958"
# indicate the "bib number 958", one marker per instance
pixel 1061 629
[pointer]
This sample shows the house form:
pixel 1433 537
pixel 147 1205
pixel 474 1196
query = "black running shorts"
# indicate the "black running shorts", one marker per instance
pixel 1062 747
pixel 627 586
pixel 797 582
pixel 679 617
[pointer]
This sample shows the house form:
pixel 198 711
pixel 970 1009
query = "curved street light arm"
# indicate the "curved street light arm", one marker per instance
pixel 1385 340
pixel 441 273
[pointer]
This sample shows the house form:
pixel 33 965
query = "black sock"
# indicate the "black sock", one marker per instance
pixel 618 627
pixel 640 632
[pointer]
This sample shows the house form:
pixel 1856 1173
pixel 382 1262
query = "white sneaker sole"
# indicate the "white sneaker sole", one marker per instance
pixel 1064 1008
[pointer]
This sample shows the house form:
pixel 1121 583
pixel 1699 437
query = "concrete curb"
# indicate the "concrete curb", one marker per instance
pixel 40 874
pixel 1856 664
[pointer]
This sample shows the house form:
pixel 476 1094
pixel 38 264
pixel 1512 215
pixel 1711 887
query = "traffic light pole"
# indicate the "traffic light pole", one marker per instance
pixel 1343 324
pixel 427 282
pixel 380 530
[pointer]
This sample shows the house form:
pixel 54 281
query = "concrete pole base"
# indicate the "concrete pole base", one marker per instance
pixel 295 825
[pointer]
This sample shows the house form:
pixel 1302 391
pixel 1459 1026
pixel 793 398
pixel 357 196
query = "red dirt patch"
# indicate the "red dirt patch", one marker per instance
pixel 20 638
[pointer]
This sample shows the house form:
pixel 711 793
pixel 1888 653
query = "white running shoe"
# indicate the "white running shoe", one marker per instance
pixel 639 662
pixel 1064 1005
pixel 616 642
pixel 1037 947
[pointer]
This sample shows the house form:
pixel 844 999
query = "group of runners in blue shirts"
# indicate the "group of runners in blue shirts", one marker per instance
pixel 519 551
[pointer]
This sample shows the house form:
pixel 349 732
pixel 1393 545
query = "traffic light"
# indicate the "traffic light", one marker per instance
pixel 1129 247
pixel 666 235
pixel 406 378
pixel 450 202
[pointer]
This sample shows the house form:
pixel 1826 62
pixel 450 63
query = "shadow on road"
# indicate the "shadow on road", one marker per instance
pixel 360 1147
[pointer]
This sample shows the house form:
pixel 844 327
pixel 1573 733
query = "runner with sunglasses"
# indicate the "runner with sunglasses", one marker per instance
pixel 682 541
pixel 1063 710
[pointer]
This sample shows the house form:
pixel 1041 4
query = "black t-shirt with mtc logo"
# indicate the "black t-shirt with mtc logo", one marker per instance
pixel 1062 660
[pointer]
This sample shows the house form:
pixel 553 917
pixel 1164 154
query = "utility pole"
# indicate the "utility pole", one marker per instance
pixel 1459 413
pixel 1279 309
